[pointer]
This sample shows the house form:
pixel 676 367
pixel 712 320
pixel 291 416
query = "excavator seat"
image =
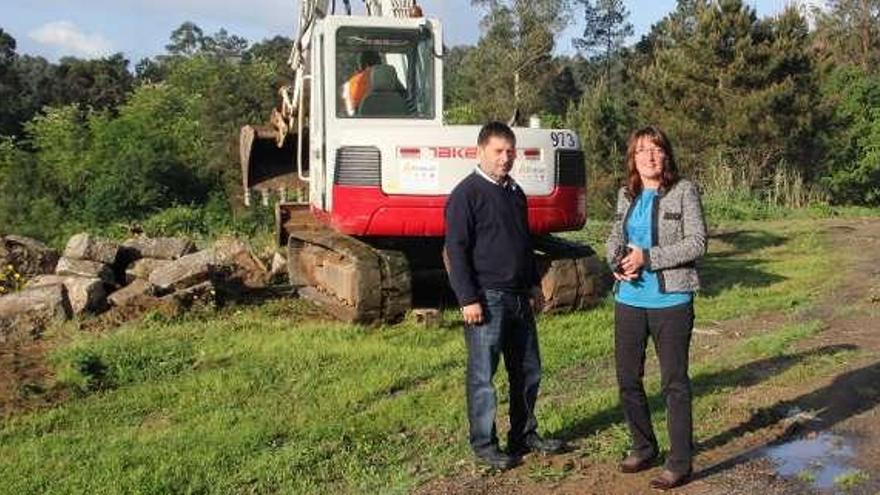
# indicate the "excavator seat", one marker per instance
pixel 385 97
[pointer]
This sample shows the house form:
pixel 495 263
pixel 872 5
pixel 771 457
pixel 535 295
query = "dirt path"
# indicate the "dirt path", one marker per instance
pixel 769 451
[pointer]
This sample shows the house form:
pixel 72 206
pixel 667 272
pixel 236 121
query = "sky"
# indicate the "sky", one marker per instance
pixel 141 28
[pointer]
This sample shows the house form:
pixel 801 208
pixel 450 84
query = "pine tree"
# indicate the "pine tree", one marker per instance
pixel 723 82
pixel 605 30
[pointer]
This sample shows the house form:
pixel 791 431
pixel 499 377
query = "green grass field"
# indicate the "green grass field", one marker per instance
pixel 263 399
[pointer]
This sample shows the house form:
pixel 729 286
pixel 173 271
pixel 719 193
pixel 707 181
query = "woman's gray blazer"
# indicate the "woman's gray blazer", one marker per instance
pixel 678 236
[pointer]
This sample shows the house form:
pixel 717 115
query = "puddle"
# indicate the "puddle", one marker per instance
pixel 817 460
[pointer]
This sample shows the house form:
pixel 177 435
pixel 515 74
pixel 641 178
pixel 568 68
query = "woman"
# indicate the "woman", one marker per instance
pixel 658 235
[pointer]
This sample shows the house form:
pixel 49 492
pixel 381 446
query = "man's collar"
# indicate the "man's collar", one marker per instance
pixel 506 182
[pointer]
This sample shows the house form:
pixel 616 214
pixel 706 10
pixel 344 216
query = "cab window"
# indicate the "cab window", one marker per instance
pixel 384 73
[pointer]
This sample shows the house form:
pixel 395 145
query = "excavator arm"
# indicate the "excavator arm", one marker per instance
pixel 267 152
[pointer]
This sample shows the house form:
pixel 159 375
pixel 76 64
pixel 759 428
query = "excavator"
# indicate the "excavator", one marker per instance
pixel 358 161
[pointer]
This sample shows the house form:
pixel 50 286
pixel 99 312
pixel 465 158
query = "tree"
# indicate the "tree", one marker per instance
pixel 851 135
pixel 722 81
pixel 38 79
pixel 224 45
pixel 276 51
pixel 10 86
pixel 563 90
pixel 187 40
pixel 25 207
pixel 148 71
pixel 849 32
pixel 512 63
pixel 605 31
pixel 98 83
pixel 603 121
pixel 455 84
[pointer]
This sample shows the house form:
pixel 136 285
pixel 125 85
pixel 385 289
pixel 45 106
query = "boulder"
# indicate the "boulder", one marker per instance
pixel 24 314
pixel 28 257
pixel 87 247
pixel 133 292
pixel 164 248
pixel 243 267
pixel 279 267
pixel 142 268
pixel 189 270
pixel 84 294
pixel 85 268
pixel 203 294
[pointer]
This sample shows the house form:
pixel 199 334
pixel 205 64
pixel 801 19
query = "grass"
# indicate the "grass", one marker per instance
pixel 262 400
pixel 850 480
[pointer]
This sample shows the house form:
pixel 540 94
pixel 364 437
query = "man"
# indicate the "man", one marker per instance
pixel 354 90
pixel 492 270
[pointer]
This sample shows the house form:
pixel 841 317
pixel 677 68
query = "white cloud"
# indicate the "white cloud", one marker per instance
pixel 68 39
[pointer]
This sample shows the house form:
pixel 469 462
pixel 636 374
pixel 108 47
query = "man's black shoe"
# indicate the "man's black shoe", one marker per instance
pixel 534 443
pixel 496 459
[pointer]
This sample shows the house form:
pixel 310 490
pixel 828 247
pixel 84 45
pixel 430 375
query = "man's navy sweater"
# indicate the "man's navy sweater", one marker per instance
pixel 487 239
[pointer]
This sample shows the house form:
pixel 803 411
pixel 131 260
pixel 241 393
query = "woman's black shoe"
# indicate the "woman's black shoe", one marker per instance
pixel 635 464
pixel 668 480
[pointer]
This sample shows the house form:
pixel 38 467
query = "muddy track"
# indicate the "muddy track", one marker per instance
pixel 837 416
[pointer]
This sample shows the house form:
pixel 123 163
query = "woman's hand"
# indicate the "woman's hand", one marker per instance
pixel 631 264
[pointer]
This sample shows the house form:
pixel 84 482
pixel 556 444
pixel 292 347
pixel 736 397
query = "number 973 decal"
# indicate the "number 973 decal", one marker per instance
pixel 563 139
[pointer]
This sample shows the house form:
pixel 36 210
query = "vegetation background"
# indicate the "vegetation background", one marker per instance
pixel 767 114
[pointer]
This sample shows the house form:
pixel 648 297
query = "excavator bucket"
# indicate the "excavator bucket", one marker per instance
pixel 268 168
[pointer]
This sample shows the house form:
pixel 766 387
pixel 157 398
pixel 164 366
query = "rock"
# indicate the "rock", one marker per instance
pixel 28 257
pixel 24 314
pixel 84 294
pixel 87 247
pixel 427 317
pixel 189 270
pixel 244 267
pixel 203 294
pixel 142 268
pixel 164 248
pixel 132 293
pixel 279 267
pixel 85 268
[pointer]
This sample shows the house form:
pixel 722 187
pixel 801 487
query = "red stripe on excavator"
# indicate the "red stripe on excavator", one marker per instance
pixel 409 152
pixel 532 154
pixel 460 152
pixel 367 211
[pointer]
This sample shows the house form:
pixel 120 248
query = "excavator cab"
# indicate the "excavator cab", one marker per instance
pixel 377 72
pixel 397 81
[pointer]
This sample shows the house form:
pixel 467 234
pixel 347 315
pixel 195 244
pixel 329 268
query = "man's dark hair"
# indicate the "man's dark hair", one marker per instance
pixel 368 58
pixel 495 129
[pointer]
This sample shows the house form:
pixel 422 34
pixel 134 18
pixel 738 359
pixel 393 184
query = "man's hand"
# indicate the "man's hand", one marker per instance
pixel 537 298
pixel 472 314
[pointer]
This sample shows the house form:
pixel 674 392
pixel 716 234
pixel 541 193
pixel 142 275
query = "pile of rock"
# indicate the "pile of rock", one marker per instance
pixel 94 275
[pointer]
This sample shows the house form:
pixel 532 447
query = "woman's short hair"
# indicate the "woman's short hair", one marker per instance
pixel 656 136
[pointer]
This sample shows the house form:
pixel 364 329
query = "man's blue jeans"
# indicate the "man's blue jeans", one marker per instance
pixel 508 329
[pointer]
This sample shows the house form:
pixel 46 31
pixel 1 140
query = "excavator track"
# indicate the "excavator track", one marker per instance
pixel 348 278
pixel 573 277
pixel 361 283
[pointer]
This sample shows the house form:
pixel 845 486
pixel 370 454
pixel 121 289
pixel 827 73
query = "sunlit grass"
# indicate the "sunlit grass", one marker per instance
pixel 262 400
